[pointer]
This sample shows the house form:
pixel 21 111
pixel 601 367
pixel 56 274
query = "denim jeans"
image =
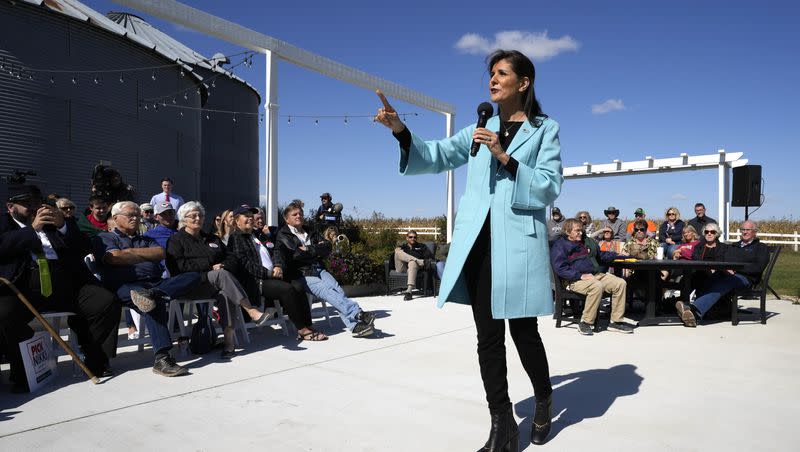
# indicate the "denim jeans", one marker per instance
pixel 328 289
pixel 156 320
pixel 720 284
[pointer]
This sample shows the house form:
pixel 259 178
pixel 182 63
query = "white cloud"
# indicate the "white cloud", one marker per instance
pixel 538 46
pixel 608 106
pixel 679 197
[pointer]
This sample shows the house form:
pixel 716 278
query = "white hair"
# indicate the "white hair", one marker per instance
pixel 187 208
pixel 117 208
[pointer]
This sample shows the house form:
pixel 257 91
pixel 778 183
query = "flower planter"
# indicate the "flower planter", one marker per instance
pixel 364 290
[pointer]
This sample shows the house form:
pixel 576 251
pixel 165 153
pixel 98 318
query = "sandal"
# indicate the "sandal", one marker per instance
pixel 313 336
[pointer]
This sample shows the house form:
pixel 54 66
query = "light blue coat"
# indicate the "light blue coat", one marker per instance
pixel 520 256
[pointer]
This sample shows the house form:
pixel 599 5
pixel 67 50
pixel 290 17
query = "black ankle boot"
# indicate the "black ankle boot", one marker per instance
pixel 542 420
pixel 503 434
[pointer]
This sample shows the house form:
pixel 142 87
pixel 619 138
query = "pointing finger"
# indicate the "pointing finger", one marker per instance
pixel 386 103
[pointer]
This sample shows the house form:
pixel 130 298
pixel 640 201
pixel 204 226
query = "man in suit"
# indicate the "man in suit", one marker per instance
pixel 42 253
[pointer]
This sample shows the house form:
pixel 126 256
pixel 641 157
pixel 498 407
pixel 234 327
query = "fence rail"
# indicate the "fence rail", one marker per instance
pixel 766 237
pixel 434 231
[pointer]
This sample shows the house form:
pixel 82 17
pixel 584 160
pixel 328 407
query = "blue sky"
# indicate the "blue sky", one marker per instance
pixel 625 80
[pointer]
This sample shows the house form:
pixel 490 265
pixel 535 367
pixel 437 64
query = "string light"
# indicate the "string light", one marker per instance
pixel 121 78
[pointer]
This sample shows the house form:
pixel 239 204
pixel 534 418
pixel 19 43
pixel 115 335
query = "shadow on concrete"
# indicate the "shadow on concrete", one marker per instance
pixel 580 395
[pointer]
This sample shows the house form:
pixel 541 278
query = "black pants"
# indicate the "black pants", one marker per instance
pixel 95 323
pixel 293 299
pixel 492 332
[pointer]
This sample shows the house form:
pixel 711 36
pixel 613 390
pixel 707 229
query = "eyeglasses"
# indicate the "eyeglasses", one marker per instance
pixel 193 216
pixel 671 213
pixel 583 217
pixel 639 229
pixel 710 232
pixel 747 230
pixel 132 216
pixel 413 237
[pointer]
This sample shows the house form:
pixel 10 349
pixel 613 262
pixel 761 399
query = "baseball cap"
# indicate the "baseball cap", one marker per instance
pixel 555 210
pixel 17 193
pixel 145 206
pixel 325 195
pixel 244 209
pixel 639 211
pixel 163 207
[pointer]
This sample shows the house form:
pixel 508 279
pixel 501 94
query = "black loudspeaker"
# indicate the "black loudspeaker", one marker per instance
pixel 746 186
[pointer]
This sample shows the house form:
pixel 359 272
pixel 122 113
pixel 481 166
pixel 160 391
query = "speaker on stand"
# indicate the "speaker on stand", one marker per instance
pixel 746 187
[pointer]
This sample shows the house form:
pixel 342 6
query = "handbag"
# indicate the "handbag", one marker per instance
pixel 204 335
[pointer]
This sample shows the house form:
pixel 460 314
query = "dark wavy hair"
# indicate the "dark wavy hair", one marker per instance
pixel 523 67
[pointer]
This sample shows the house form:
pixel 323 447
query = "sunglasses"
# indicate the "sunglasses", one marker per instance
pixel 640 229
pixel 710 232
pixel 412 237
pixel 582 217
pixel 671 213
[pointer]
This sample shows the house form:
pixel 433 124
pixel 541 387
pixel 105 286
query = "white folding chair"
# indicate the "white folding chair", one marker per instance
pixel 313 298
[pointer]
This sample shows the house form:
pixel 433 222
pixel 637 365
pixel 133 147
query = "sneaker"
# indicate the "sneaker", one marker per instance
pixel 620 327
pixel 407 296
pixel 686 314
pixel 585 329
pixel 366 317
pixel 144 299
pixel 167 367
pixel 362 330
pixel 133 336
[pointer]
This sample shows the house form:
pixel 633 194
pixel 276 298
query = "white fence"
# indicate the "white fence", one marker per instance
pixel 766 237
pixel 422 231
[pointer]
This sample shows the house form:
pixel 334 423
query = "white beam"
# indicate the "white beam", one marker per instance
pixel 451 175
pixel 217 27
pixel 684 162
pixel 271 138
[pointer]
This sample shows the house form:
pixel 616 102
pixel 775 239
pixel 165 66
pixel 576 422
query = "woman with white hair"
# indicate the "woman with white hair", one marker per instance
pixel 193 250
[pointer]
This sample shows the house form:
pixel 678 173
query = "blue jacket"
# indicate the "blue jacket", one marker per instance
pixel 572 259
pixel 520 264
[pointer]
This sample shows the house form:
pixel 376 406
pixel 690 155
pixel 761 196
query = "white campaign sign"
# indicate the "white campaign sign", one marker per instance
pixel 40 362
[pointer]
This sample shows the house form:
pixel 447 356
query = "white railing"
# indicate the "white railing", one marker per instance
pixel 434 231
pixel 764 237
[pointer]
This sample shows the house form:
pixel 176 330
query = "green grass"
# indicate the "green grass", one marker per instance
pixel 785 277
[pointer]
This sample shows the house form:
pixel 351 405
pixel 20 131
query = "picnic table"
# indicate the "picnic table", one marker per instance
pixel 653 267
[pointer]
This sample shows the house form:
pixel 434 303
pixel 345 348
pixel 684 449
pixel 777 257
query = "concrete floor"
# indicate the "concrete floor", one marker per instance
pixel 415 387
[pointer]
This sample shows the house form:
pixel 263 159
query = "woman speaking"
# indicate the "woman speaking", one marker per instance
pixel 499 260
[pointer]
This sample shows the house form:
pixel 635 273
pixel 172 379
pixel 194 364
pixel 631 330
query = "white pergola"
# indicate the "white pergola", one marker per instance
pixel 275 49
pixel 722 160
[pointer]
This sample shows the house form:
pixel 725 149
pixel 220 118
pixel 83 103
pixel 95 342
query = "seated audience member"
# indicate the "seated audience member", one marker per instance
pixel 167 195
pixel 193 250
pixel 259 264
pixel 66 206
pixel 685 248
pixel 411 257
pixel 442 250
pixel 261 230
pixel 578 266
pixel 555 224
pixel 225 226
pixel 701 219
pixel 748 250
pixel 304 251
pixel 167 226
pixel 148 218
pixel 710 248
pixel 586 220
pixel 640 245
pixel 99 213
pixel 41 252
pixel 612 222
pixel 129 265
pixel 640 214
pixel 607 241
pixel 670 232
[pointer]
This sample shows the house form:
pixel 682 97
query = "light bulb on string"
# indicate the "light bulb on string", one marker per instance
pixel 145 106
pixel 234 118
pixel 316 121
pixel 96 81
pixel 212 84
pixel 121 78
pixel 345 120
pixel 153 76
pixel 289 122
pixel 174 101
pixel 52 80
pixel 163 103
pixel 181 114
pixel 182 74
pixel 74 81
pixel 185 96
pixel 208 116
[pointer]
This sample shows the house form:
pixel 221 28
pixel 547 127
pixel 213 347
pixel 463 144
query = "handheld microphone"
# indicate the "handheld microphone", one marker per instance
pixel 485 111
